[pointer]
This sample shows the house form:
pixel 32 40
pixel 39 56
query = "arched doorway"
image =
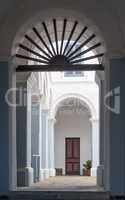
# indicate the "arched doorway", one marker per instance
pixel 115 47
pixel 75 116
pixel 55 60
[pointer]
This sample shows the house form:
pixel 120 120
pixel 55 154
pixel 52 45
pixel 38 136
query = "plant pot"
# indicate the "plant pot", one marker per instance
pixel 86 172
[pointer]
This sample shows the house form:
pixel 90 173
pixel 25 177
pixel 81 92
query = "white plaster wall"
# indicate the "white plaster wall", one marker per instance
pixel 75 125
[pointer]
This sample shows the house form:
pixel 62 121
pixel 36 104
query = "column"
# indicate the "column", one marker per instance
pixel 41 172
pixel 12 128
pixel 28 169
pixel 101 128
pixel 95 146
pixel 4 130
pixel 35 138
pixel 21 125
pixel 51 146
pixel 44 171
pixel 116 109
pixel 100 169
pixel 24 170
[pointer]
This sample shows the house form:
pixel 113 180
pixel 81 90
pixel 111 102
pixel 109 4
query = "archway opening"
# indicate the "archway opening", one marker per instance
pixel 71 61
pixel 73 132
pixel 72 100
pixel 72 121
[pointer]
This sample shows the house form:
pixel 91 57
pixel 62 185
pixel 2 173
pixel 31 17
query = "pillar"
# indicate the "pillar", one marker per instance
pixel 29 169
pixel 106 131
pixel 101 127
pixel 41 170
pixel 4 130
pixel 44 171
pixel 35 137
pixel 100 170
pixel 95 146
pixel 12 128
pixel 51 147
pixel 24 170
pixel 116 109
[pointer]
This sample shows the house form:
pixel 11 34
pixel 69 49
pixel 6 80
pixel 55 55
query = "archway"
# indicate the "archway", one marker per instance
pixel 72 67
pixel 84 110
pixel 85 99
pixel 107 12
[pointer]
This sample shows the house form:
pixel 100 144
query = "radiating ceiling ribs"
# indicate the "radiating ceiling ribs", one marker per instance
pixel 77 39
pixel 56 55
pixel 63 35
pixel 31 58
pixel 37 46
pixel 33 52
pixel 49 38
pixel 87 58
pixel 82 45
pixel 70 36
pixel 85 51
pixel 41 39
pixel 56 35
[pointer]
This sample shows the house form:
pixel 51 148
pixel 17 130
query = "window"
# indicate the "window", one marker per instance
pixel 73 73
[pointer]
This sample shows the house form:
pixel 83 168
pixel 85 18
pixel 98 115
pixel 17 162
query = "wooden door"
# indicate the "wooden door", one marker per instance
pixel 72 156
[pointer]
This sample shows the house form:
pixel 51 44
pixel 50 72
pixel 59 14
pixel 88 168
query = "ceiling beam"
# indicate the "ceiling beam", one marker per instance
pixel 70 67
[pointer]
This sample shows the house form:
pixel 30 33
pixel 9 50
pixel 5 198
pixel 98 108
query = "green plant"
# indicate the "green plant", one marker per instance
pixel 88 164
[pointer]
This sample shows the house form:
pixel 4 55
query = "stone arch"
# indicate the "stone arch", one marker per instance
pixel 84 99
pixel 59 14
pixel 18 37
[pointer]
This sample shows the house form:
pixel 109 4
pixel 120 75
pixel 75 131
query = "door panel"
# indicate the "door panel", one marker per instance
pixel 72 156
pixel 76 148
pixel 69 149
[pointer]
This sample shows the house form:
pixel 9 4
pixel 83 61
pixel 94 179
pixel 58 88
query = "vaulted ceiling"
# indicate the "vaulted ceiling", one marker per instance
pixel 73 105
pixel 106 18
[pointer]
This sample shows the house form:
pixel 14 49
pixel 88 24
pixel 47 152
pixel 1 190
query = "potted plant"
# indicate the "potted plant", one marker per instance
pixel 87 168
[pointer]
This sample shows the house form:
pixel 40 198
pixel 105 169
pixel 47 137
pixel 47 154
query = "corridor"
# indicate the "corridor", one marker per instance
pixel 66 183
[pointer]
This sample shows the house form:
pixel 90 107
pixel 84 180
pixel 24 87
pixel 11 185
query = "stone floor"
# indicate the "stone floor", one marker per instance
pixel 67 183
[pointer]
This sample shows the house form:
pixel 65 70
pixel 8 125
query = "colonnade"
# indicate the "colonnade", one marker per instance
pixel 35 137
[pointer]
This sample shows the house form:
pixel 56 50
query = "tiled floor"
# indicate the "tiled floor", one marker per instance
pixel 67 183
